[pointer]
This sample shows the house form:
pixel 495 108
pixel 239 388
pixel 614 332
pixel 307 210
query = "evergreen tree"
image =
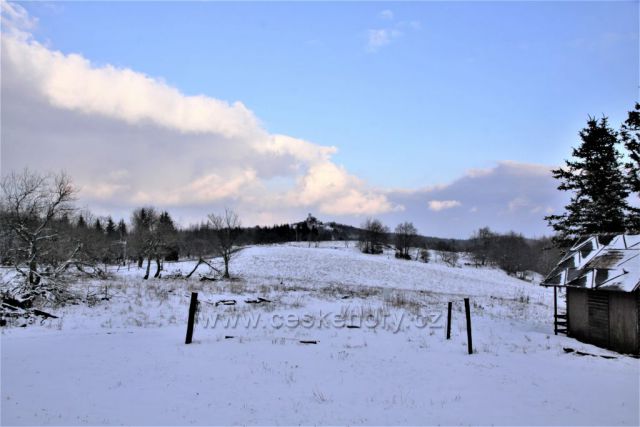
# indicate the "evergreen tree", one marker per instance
pixel 599 201
pixel 630 135
pixel 166 222
pixel 97 226
pixel 110 229
pixel 167 236
pixel 82 224
pixel 122 229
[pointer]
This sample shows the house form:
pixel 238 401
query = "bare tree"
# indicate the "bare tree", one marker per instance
pixel 483 244
pixel 147 238
pixel 227 231
pixel 373 236
pixel 405 235
pixel 449 258
pixel 33 206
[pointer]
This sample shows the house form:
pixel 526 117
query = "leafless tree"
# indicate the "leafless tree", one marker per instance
pixel 449 258
pixel 32 206
pixel 146 238
pixel 373 236
pixel 227 231
pixel 483 244
pixel 405 235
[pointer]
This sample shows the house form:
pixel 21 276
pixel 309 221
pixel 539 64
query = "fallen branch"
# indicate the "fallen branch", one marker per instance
pixel 226 302
pixel 582 353
pixel 202 261
pixel 260 300
pixel 11 307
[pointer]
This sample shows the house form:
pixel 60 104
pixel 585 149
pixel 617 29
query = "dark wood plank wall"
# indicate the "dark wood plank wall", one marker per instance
pixel 577 314
pixel 623 322
pixel 598 317
pixel 606 319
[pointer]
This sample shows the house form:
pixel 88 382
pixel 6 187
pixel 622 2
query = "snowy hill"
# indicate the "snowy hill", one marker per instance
pixel 380 354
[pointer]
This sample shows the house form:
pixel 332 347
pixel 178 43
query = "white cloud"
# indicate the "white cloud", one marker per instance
pixel 15 20
pixel 381 37
pixel 508 196
pixel 128 138
pixel 72 83
pixel 386 14
pixel 412 25
pixel 440 205
pixel 336 192
pixel 212 187
pixel 518 203
pixel 304 151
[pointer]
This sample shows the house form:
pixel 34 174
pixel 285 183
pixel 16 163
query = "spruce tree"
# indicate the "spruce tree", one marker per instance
pixel 110 228
pixel 594 176
pixel 122 229
pixel 630 135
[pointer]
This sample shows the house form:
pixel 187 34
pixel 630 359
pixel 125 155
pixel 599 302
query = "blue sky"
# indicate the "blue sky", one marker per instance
pixel 412 95
pixel 474 84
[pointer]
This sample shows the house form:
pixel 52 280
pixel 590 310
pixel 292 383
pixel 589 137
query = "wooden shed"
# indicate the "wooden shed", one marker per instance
pixel 601 276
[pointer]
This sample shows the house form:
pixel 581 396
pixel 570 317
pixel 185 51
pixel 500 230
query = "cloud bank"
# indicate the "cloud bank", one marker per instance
pixel 130 139
pixel 508 196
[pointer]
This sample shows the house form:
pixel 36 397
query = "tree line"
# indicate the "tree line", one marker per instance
pixel 43 235
pixel 510 251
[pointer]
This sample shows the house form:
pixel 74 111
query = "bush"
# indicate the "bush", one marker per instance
pixel 449 258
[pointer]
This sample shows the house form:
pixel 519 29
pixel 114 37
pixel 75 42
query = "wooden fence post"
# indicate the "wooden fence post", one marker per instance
pixel 555 310
pixel 192 316
pixel 449 320
pixel 467 309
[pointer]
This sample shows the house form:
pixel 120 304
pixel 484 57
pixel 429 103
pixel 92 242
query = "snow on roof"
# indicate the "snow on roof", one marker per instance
pixel 605 262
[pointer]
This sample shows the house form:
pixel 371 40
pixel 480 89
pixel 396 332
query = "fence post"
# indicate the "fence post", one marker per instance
pixel 467 309
pixel 555 310
pixel 449 320
pixel 192 316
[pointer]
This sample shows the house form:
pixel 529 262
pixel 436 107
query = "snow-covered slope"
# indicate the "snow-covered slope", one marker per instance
pixel 124 361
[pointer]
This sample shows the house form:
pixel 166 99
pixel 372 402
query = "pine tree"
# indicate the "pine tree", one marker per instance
pixel 97 226
pixel 122 229
pixel 110 228
pixel 630 135
pixel 599 201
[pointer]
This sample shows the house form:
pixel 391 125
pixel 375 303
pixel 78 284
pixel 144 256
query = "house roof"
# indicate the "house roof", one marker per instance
pixel 604 262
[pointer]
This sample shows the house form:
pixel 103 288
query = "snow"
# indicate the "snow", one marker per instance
pixel 617 264
pixel 124 361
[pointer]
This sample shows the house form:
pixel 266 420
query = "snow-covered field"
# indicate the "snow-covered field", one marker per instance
pixel 381 355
